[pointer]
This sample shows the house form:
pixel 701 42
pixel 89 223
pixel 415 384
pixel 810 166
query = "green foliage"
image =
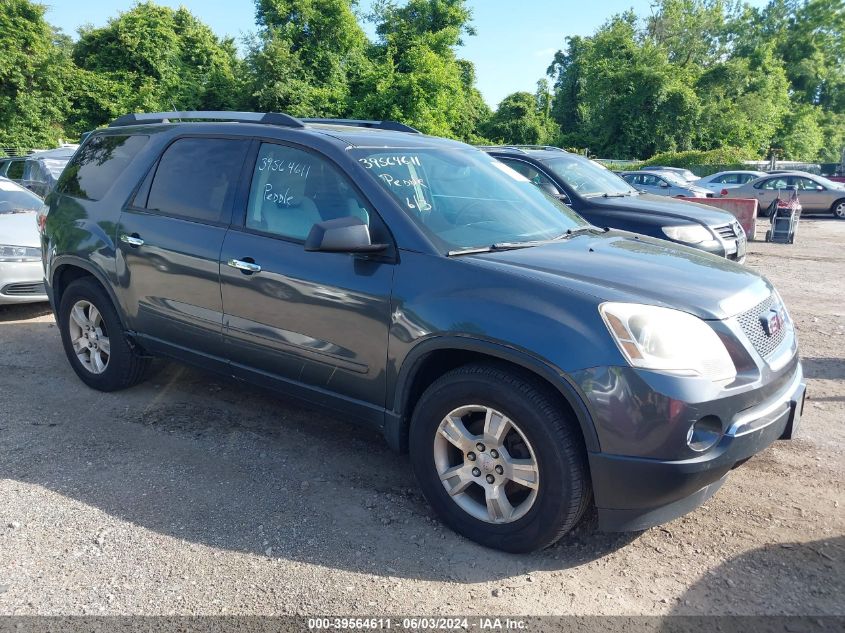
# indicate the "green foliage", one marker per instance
pixel 414 74
pixel 706 74
pixel 33 72
pixel 720 77
pixel 156 58
pixel 696 158
pixel 523 119
pixel 305 57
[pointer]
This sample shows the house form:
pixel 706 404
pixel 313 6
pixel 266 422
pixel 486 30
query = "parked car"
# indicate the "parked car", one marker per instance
pixel 724 180
pixel 21 273
pixel 664 183
pixel 816 193
pixel 606 200
pixel 42 169
pixel 685 174
pixel 530 362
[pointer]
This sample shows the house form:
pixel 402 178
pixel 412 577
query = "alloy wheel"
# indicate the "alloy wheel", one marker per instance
pixel 89 337
pixel 486 464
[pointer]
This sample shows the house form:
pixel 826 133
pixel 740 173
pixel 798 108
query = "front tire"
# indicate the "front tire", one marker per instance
pixel 838 209
pixel 499 458
pixel 94 340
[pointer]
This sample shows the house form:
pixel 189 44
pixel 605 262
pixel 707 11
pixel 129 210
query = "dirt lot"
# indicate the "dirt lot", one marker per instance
pixel 191 494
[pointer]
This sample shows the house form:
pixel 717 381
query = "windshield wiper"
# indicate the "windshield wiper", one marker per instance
pixel 492 248
pixel 509 246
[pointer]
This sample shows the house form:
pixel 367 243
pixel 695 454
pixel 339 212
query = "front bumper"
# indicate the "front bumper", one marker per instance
pixel 638 492
pixel 22 282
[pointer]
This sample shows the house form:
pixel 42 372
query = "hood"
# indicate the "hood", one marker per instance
pixel 667 207
pixel 19 229
pixel 618 266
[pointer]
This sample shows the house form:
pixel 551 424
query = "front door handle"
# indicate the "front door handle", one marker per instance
pixel 244 266
pixel 132 240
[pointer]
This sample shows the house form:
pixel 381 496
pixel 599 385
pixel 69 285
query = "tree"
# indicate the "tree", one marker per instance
pixel 621 95
pixel 305 56
pixel 33 72
pixel 524 119
pixel 155 58
pixel 415 74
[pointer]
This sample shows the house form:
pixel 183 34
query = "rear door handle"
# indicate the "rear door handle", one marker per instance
pixel 132 240
pixel 244 266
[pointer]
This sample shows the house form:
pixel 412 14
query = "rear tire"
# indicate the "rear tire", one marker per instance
pixel 519 493
pixel 94 339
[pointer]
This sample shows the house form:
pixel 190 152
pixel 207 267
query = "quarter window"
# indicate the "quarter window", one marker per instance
pixel 292 190
pixel 97 164
pixel 15 170
pixel 196 179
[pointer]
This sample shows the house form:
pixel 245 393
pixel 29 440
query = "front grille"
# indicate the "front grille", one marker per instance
pixel 726 231
pixel 24 290
pixel 752 326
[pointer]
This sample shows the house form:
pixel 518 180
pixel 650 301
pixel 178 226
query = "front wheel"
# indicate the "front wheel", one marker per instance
pixel 499 458
pixel 94 340
pixel 838 209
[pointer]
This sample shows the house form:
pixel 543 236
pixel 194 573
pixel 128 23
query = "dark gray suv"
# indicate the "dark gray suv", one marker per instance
pixel 532 363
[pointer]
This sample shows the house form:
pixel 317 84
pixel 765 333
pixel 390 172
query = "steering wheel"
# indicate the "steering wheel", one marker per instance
pixel 475 205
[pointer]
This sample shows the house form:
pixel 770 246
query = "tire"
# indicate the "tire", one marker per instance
pixel 124 365
pixel 838 209
pixel 542 433
pixel 769 235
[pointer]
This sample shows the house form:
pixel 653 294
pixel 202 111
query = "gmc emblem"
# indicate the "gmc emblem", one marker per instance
pixel 772 322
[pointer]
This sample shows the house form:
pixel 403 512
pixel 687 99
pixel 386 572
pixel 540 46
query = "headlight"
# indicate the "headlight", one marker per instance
pixel 668 340
pixel 688 233
pixel 19 254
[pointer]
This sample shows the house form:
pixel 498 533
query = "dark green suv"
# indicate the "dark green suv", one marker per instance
pixel 532 363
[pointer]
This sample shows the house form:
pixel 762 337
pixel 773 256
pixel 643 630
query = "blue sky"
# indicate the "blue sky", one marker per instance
pixel 515 43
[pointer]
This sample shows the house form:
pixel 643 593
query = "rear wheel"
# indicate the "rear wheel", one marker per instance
pixel 838 209
pixel 94 340
pixel 499 458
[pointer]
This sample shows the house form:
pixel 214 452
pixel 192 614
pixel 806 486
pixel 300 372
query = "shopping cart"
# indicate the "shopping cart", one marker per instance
pixel 784 216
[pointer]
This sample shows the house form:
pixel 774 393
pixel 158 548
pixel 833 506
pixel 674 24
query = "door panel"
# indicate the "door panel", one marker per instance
pixel 312 319
pixel 317 318
pixel 169 242
pixel 171 283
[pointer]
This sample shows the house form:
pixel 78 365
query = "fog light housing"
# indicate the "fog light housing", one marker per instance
pixel 705 433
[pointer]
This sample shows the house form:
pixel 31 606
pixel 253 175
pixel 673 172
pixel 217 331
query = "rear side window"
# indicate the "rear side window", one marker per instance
pixel 196 179
pixel 15 171
pixel 97 164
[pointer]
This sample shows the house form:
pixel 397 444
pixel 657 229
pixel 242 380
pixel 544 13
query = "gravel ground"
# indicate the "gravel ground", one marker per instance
pixel 193 495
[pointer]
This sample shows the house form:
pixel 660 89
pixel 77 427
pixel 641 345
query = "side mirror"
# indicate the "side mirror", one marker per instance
pixel 819 188
pixel 664 184
pixel 343 235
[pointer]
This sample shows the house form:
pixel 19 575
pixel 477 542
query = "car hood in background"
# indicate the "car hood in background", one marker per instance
pixel 19 229
pixel 617 266
pixel 667 207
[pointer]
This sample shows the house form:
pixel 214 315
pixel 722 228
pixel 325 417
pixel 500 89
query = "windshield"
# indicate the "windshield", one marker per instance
pixel 463 198
pixel 14 199
pixel 588 178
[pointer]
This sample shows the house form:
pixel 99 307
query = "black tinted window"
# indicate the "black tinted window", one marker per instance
pixel 97 165
pixel 15 171
pixel 196 179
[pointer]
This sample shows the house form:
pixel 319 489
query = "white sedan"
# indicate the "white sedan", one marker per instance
pixel 21 273
pixel 725 180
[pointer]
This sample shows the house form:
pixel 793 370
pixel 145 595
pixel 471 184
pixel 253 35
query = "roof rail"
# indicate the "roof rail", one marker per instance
pixel 550 148
pixel 378 125
pixel 267 118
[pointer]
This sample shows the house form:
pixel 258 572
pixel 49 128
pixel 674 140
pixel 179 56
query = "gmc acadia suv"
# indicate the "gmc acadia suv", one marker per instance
pixel 531 363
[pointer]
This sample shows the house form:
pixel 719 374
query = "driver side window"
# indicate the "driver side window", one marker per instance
pixel 292 190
